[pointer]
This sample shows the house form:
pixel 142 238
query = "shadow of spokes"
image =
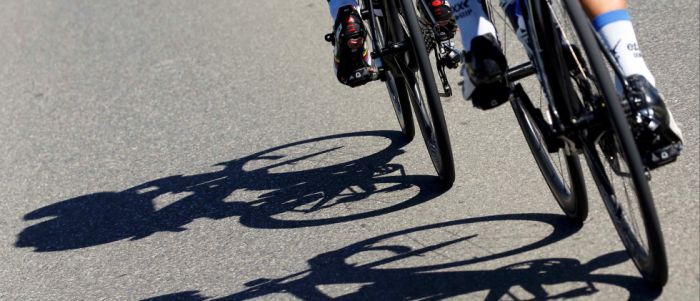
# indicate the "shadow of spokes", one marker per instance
pixel 301 184
pixel 386 278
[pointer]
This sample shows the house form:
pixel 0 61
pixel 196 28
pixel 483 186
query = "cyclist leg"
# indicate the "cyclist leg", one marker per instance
pixel 349 37
pixel 655 127
pixel 484 63
pixel 612 21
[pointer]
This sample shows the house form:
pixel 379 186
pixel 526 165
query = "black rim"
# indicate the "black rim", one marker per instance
pixel 616 164
pixel 396 88
pixel 570 197
pixel 561 169
pixel 426 105
pixel 394 96
pixel 616 183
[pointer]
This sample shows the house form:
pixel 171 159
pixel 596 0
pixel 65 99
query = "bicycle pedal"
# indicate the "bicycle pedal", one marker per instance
pixel 487 96
pixel 362 76
pixel 330 38
pixel 662 156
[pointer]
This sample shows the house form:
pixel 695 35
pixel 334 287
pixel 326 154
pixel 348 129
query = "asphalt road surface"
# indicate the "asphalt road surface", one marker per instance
pixel 203 149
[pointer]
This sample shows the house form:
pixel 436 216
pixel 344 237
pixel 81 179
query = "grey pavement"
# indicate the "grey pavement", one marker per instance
pixel 203 149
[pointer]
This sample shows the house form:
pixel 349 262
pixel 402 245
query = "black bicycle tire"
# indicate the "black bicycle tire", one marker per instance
pixel 575 204
pixel 446 169
pixel 407 127
pixel 653 266
pixel 403 111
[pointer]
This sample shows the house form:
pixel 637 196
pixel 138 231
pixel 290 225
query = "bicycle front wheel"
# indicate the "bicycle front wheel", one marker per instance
pixel 609 147
pixel 424 96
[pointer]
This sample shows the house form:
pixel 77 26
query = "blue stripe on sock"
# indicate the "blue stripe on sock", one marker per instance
pixel 610 17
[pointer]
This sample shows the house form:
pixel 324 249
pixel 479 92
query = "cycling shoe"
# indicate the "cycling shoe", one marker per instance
pixel 484 71
pixel 351 58
pixel 658 138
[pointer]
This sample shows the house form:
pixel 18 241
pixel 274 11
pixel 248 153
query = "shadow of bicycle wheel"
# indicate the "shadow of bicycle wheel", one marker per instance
pixel 308 183
pixel 383 267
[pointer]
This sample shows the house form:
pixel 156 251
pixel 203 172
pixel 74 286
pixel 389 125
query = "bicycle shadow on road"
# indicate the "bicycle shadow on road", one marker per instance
pixel 307 183
pixel 384 277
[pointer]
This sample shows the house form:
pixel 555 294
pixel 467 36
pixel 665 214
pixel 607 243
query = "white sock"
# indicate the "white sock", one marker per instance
pixel 615 27
pixel 335 5
pixel 472 21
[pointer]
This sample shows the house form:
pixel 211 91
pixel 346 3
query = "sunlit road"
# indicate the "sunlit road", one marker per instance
pixel 204 150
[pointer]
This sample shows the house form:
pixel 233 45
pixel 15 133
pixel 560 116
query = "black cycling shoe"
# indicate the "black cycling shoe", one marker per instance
pixel 351 58
pixel 658 138
pixel 485 66
pixel 442 12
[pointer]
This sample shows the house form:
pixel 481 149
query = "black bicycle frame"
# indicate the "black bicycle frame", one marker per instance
pixel 566 112
pixel 385 53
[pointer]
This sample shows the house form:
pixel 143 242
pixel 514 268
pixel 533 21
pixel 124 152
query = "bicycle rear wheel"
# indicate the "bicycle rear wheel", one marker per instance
pixel 400 99
pixel 561 169
pixel 398 93
pixel 424 96
pixel 556 158
pixel 609 148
